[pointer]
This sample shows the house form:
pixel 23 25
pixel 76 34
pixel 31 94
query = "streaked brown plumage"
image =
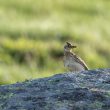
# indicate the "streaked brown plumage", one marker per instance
pixel 71 60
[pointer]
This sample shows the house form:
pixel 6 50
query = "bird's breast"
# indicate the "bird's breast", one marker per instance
pixel 72 65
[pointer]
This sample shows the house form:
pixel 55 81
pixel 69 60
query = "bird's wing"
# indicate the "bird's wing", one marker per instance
pixel 79 60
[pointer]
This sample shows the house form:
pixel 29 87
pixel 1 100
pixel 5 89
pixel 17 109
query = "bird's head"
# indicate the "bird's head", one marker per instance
pixel 68 47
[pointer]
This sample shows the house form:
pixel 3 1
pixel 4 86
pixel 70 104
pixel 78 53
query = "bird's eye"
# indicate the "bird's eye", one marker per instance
pixel 69 45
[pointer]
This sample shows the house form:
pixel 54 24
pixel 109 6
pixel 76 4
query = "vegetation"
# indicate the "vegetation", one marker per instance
pixel 33 32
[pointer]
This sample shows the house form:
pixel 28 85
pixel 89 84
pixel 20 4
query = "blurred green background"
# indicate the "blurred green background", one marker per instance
pixel 33 32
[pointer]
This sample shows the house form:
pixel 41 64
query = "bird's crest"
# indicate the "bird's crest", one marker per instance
pixel 70 45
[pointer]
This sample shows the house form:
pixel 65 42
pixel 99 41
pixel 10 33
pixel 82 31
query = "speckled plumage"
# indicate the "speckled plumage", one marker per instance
pixel 72 61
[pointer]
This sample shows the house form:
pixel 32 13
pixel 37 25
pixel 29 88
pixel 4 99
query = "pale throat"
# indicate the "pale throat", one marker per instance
pixel 67 51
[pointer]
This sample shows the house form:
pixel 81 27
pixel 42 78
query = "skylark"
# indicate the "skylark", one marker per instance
pixel 71 60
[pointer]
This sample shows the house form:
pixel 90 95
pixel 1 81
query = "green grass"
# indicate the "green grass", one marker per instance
pixel 33 32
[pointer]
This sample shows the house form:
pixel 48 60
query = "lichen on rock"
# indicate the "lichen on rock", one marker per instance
pixel 86 90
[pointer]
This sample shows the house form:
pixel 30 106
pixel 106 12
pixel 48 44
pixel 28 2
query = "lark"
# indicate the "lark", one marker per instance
pixel 71 60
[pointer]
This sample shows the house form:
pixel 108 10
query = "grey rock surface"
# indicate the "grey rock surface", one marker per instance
pixel 87 90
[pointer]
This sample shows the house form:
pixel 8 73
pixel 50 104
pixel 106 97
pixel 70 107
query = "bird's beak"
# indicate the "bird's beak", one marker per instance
pixel 73 46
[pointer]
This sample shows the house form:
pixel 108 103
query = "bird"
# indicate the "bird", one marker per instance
pixel 73 62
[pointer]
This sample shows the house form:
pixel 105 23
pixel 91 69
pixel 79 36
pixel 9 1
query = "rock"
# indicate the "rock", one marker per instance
pixel 87 90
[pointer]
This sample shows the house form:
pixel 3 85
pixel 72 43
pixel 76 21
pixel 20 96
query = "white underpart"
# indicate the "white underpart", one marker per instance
pixel 73 65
